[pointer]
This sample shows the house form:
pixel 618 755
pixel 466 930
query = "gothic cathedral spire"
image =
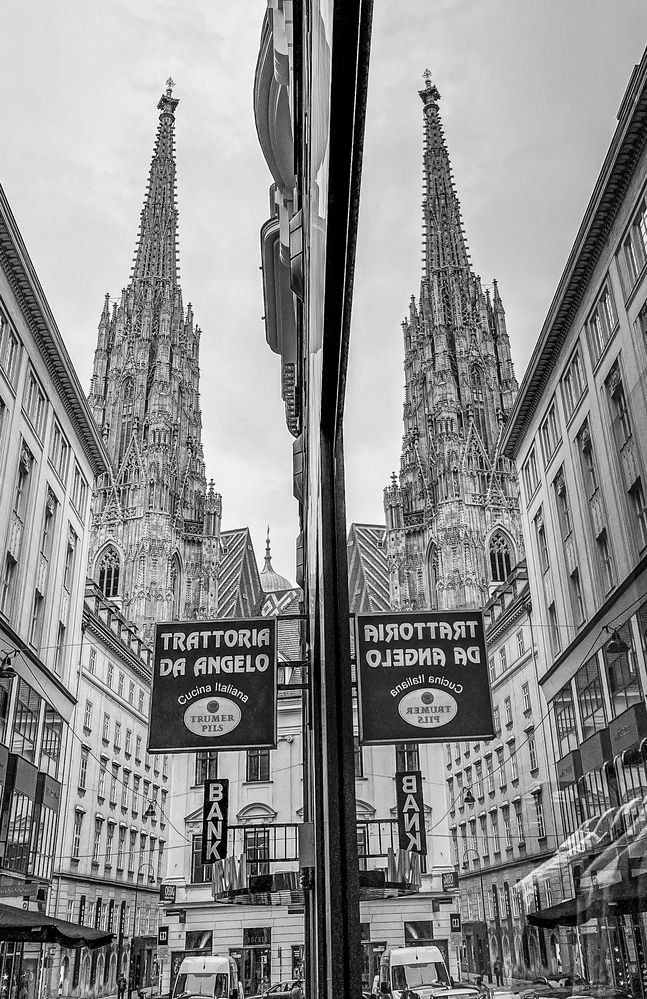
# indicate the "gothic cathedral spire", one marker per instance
pixel 453 528
pixel 156 533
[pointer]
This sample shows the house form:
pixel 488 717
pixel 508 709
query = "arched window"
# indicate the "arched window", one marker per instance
pixel 176 584
pixel 127 416
pixel 500 558
pixel 109 565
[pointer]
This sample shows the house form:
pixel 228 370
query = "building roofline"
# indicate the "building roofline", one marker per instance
pixel 25 284
pixel 617 170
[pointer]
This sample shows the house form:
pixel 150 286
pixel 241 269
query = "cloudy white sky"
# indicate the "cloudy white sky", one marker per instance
pixel 530 91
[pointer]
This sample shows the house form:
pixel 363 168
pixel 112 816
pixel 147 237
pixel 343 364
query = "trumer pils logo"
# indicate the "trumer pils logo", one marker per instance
pixel 210 716
pixel 426 709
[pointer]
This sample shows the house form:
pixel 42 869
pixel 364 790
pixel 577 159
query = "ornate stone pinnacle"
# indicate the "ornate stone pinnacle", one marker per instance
pixel 170 83
pixel 427 78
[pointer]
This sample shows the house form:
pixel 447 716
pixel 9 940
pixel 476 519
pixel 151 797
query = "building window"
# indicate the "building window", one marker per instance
pixel 36 622
pixel 518 814
pixel 200 873
pixel 553 630
pixel 8 580
pixel 25 723
pixel 258 765
pixel 113 784
pixel 530 476
pixel 549 434
pixel 605 561
pixel 35 404
pixel 532 753
pixel 492 669
pixel 573 383
pixel 87 716
pixel 577 600
pixel 121 848
pixel 138 749
pixel 478 779
pixel 129 742
pixel 96 844
pixel 590 698
pixel 125 788
pixel 500 559
pixel 49 523
pixel 120 684
pixel 117 736
pixel 83 769
pixel 76 835
pixel 490 775
pixel 109 839
pixel 407 757
pixel 105 735
pixel 601 324
pixel 131 692
pixel 141 701
pixel 622 675
pixel 101 786
pixel 514 763
pixel 503 661
pixel 563 506
pixel 79 491
pixel 92 660
pixel 635 248
pixel 9 349
pixel 136 785
pixel 496 715
pixel 620 419
pixel 525 693
pixel 206 766
pixel 639 507
pixel 494 825
pixel 59 453
pixel 109 566
pixel 359 758
pixel 508 711
pixel 70 560
pixel 50 742
pixel 59 652
pixel 542 544
pixel 539 812
pixel 257 849
pixel 521 647
pixel 507 831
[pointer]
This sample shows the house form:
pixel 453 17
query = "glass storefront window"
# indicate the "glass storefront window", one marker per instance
pixel 590 698
pixel 25 724
pixel 622 674
pixel 565 724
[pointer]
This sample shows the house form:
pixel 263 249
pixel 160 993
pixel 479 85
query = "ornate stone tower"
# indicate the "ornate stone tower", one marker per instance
pixel 452 521
pixel 156 538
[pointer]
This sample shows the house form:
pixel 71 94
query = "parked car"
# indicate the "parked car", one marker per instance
pixel 281 990
pixel 566 986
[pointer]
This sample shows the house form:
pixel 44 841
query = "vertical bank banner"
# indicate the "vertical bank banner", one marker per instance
pixel 214 686
pixel 411 811
pixel 215 823
pixel 422 677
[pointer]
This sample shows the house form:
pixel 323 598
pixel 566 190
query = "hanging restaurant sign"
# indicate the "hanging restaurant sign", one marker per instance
pixel 411 811
pixel 422 677
pixel 214 685
pixel 215 820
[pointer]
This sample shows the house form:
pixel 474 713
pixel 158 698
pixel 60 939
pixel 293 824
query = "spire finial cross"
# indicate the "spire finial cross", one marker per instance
pixel 170 83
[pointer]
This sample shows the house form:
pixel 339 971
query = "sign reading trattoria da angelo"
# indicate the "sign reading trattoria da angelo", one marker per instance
pixel 422 677
pixel 214 685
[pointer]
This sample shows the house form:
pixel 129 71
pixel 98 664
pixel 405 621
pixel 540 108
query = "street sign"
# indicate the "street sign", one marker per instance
pixel 214 820
pixel 162 936
pixel 168 894
pixel 450 880
pixel 455 922
pixel 214 686
pixel 422 677
pixel 411 811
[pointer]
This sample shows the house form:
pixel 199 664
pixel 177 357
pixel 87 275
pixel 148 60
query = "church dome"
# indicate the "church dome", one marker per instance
pixel 271 581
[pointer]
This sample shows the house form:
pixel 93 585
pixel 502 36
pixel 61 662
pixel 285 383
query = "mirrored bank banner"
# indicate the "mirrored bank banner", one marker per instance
pixel 422 677
pixel 214 685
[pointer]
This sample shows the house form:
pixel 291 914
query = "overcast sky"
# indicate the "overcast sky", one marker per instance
pixel 530 92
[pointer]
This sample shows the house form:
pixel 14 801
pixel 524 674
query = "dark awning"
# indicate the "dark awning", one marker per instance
pixel 626 896
pixel 21 925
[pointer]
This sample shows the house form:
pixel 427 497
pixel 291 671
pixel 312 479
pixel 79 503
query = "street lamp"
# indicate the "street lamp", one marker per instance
pixel 466 867
pixel 145 865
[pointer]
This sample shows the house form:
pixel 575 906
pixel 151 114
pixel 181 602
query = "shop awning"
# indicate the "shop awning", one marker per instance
pixel 21 925
pixel 627 896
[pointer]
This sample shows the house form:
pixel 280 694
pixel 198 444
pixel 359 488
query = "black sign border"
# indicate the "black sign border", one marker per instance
pixel 217 747
pixel 412 738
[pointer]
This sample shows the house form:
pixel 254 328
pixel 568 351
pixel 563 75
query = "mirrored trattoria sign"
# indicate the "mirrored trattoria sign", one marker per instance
pixel 422 677
pixel 214 685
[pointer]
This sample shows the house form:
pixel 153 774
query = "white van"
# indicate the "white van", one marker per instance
pixel 420 970
pixel 212 977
